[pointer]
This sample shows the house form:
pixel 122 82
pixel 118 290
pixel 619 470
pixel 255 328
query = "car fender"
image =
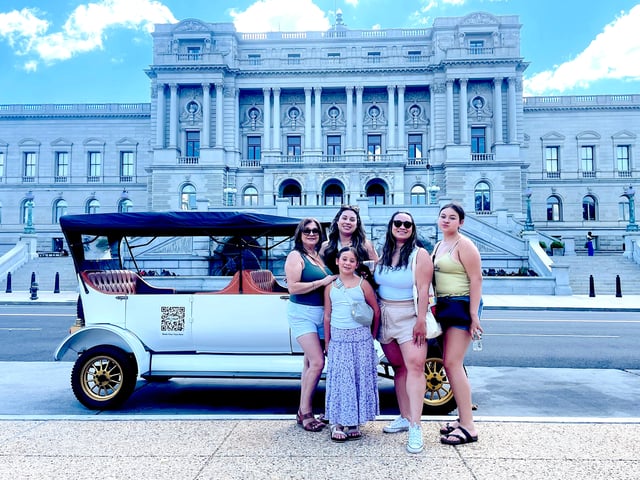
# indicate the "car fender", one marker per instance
pixel 94 335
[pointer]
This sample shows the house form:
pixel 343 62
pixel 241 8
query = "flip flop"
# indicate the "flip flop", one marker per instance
pixel 448 428
pixel 458 439
pixel 353 434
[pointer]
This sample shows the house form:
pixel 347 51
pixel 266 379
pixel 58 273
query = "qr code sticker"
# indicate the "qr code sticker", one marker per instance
pixel 172 320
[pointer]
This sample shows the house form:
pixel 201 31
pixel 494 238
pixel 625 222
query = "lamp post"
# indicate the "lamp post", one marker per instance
pixel 432 188
pixel 632 226
pixel 528 224
pixel 28 205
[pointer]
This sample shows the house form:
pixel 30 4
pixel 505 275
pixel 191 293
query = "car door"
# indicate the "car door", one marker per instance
pixel 241 323
pixel 163 322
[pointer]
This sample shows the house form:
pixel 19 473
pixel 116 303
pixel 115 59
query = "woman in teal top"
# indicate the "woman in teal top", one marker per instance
pixel 307 275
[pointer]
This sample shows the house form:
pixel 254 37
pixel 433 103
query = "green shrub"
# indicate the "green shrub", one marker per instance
pixel 557 244
pixel 543 245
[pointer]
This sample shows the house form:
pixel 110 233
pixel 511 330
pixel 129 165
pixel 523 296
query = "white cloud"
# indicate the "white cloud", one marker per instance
pixel 613 55
pixel 84 30
pixel 281 15
pixel 353 3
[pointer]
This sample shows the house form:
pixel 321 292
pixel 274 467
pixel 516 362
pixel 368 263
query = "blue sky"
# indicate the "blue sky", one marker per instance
pixel 75 51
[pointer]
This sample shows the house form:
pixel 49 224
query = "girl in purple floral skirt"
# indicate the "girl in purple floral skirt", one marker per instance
pixel 352 380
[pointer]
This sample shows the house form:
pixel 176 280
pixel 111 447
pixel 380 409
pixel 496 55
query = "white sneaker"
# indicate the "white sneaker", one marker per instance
pixel 415 443
pixel 400 424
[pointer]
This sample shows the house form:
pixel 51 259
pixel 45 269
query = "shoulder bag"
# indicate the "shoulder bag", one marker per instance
pixel 361 312
pixel 434 329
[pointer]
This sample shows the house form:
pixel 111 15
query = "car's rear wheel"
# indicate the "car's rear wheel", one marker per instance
pixel 103 377
pixel 438 399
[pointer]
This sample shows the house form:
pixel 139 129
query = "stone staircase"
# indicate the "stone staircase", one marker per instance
pixel 45 269
pixel 604 268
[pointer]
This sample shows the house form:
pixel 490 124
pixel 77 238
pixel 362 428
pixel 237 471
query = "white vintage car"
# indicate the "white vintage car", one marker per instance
pixel 216 309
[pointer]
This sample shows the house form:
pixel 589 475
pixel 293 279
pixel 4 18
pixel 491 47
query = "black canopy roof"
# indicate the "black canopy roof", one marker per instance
pixel 179 223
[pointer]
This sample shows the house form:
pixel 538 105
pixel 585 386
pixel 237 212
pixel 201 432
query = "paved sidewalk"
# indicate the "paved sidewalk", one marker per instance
pixel 218 448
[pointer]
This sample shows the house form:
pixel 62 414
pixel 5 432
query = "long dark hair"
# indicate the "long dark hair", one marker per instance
pixel 456 207
pixel 297 245
pixel 358 239
pixel 386 258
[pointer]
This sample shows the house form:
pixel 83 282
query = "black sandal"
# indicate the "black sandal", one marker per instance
pixel 458 439
pixel 448 428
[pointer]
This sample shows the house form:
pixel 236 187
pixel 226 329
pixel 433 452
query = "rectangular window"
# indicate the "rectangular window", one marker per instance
pixel 622 160
pixel 254 148
pixel 293 59
pixel 415 145
pixel 586 161
pixel 414 56
pixel 476 47
pixel 30 164
pixel 373 57
pixel 478 140
pixel 551 160
pixel 333 57
pixel 193 144
pixel 95 165
pixel 127 169
pixel 334 145
pixel 1 165
pixel 374 147
pixel 62 166
pixel 254 59
pixel 294 146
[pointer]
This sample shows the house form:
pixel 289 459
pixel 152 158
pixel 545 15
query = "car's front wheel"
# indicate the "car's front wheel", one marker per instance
pixel 438 399
pixel 103 377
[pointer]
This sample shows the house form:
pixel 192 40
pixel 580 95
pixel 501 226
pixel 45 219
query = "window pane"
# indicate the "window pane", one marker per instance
pixel 478 140
pixel 30 164
pixel 95 164
pixel 126 164
pixel 622 157
pixel 418 195
pixel 415 146
pixel 334 146
pixel 193 144
pixel 588 208
pixel 254 148
pixel 586 155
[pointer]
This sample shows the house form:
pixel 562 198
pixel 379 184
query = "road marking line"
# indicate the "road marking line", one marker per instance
pixel 11 329
pixel 546 335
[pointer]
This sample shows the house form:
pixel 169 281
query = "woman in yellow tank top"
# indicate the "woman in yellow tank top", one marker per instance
pixel 458 289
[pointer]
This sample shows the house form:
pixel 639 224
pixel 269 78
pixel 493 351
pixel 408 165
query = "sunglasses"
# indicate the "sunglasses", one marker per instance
pixel 310 231
pixel 400 223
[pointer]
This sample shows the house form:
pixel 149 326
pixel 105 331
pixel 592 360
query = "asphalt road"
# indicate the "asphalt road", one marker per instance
pixel 534 364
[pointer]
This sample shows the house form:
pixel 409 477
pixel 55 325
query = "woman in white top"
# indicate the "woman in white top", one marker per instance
pixel 402 332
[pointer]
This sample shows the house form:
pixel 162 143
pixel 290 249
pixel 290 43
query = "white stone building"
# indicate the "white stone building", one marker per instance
pixel 300 122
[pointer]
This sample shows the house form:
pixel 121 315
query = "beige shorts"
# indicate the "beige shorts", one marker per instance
pixel 397 320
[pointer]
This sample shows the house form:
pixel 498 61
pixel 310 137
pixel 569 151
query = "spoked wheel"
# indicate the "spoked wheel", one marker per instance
pixel 103 377
pixel 438 399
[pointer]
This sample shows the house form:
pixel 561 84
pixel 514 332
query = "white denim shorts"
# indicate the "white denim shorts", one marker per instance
pixel 305 319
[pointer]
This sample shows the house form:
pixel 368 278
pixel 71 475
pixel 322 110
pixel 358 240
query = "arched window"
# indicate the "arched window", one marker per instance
pixel 125 205
pixel 59 209
pixel 333 195
pixel 554 209
pixel 188 197
pixel 291 190
pixel 482 195
pixel 250 197
pixel 93 206
pixel 376 194
pixel 588 207
pixel 418 195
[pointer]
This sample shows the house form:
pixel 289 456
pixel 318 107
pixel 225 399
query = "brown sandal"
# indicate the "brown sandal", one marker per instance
pixel 312 426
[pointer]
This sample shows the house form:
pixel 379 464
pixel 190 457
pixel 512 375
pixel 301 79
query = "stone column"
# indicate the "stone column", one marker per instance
pixel 513 122
pixel 497 109
pixel 307 118
pixel 391 128
pixel 219 115
pixel 276 119
pixel 266 118
pixel 173 116
pixel 464 100
pixel 401 143
pixel 206 115
pixel 359 114
pixel 318 118
pixel 349 138
pixel 160 116
pixel 449 112
pixel 432 119
pixel 236 116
